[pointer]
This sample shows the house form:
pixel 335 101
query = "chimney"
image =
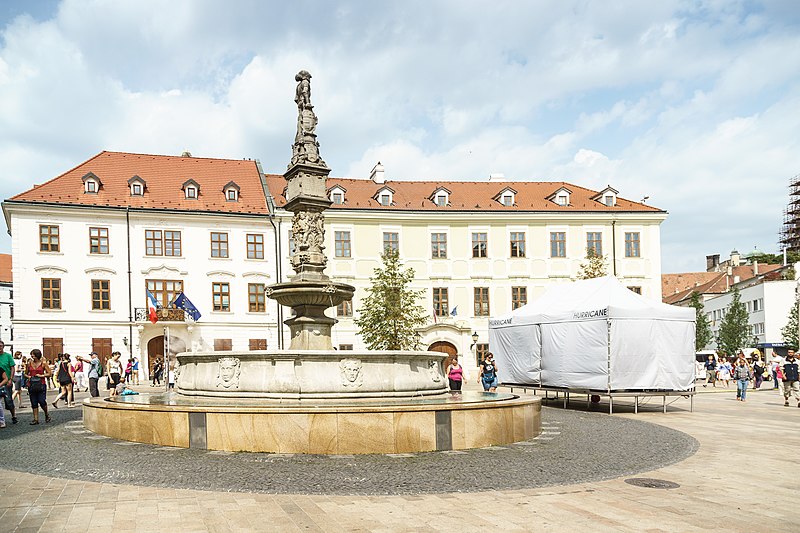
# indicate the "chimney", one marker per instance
pixel 497 178
pixel 736 259
pixel 712 263
pixel 377 174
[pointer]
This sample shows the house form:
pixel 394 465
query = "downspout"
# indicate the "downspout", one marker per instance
pixel 614 246
pixel 130 288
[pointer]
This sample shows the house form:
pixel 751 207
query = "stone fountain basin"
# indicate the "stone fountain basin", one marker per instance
pixel 299 374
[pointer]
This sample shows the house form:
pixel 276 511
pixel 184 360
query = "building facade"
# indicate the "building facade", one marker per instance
pixel 89 244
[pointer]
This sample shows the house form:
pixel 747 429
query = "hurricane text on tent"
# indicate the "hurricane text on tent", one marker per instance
pixel 591 314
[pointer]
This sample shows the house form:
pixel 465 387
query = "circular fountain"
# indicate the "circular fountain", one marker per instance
pixel 311 398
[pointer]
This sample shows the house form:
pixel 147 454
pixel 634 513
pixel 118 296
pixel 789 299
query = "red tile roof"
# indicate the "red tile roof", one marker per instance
pixel 5 268
pixel 464 196
pixel 164 176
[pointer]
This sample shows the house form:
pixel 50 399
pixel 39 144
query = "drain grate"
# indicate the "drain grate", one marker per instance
pixel 651 483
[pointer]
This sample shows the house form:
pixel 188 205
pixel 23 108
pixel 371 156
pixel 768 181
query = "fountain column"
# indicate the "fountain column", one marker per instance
pixel 310 291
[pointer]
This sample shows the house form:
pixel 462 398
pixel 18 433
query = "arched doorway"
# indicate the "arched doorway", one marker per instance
pixel 444 347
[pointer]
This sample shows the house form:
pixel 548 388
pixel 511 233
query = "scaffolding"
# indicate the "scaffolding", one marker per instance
pixel 790 232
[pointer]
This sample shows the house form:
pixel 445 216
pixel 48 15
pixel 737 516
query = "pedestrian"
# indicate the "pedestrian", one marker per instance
pixel 791 379
pixel 724 371
pixel 95 371
pixel 742 374
pixel 711 371
pixel 455 375
pixel 488 373
pixel 7 364
pixel 114 371
pixel 758 371
pixel 65 381
pixel 37 373
pixel 135 371
pixel 18 379
pixel 80 374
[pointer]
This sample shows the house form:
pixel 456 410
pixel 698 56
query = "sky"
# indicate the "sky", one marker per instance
pixel 693 104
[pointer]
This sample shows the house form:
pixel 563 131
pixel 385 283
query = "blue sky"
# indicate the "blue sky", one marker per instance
pixel 693 104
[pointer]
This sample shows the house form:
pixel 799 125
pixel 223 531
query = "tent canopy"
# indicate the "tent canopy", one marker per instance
pixel 596 334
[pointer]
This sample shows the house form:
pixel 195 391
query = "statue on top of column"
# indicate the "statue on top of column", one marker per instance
pixel 306 147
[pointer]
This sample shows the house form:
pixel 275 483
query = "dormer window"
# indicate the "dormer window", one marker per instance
pixel 561 196
pixel 91 183
pixel 137 186
pixel 231 191
pixel 337 195
pixel 607 197
pixel 440 197
pixel 191 189
pixel 384 196
pixel 506 197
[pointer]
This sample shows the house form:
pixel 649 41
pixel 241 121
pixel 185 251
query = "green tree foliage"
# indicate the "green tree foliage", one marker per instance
pixel 702 329
pixel 789 331
pixel 734 331
pixel 594 266
pixel 391 313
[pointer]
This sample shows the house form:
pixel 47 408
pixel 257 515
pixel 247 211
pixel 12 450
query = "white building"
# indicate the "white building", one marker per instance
pixel 768 302
pixel 88 244
pixel 6 303
pixel 478 249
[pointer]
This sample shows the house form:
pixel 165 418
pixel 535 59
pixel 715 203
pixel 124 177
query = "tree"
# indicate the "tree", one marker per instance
pixel 734 331
pixel 789 331
pixel 390 314
pixel 594 266
pixel 702 328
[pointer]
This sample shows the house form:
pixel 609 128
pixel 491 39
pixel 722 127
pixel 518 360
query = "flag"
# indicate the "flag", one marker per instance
pixel 434 316
pixel 152 306
pixel 182 302
pixel 454 312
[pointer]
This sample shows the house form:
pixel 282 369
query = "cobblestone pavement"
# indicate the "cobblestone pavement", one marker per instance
pixel 761 435
pixel 611 447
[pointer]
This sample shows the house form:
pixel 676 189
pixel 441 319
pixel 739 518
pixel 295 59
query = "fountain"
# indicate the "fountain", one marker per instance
pixel 312 398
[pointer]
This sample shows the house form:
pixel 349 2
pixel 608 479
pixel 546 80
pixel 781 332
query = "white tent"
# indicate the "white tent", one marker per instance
pixel 595 334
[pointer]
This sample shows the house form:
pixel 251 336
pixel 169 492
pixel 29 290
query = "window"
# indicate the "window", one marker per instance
pixel 341 243
pixel 481 301
pixel 346 347
pixel 441 199
pixel 385 199
pixel 48 239
pixel 191 193
pixel 255 246
pixel 391 241
pixel 594 242
pixel 137 189
pixel 518 244
pixel 101 294
pixel 51 293
pixel 637 290
pixel 480 352
pixel 441 306
pixel 164 290
pixel 258 344
pixel 558 244
pixel 439 245
pixel 98 240
pixel 519 297
pixel 479 245
pixel 345 308
pixel 221 296
pixel 256 298
pixel 219 244
pixel 223 345
pixel 153 242
pixel 172 243
pixel 632 244
pixel 337 198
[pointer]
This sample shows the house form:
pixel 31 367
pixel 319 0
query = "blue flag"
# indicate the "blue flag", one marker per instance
pixel 454 312
pixel 182 302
